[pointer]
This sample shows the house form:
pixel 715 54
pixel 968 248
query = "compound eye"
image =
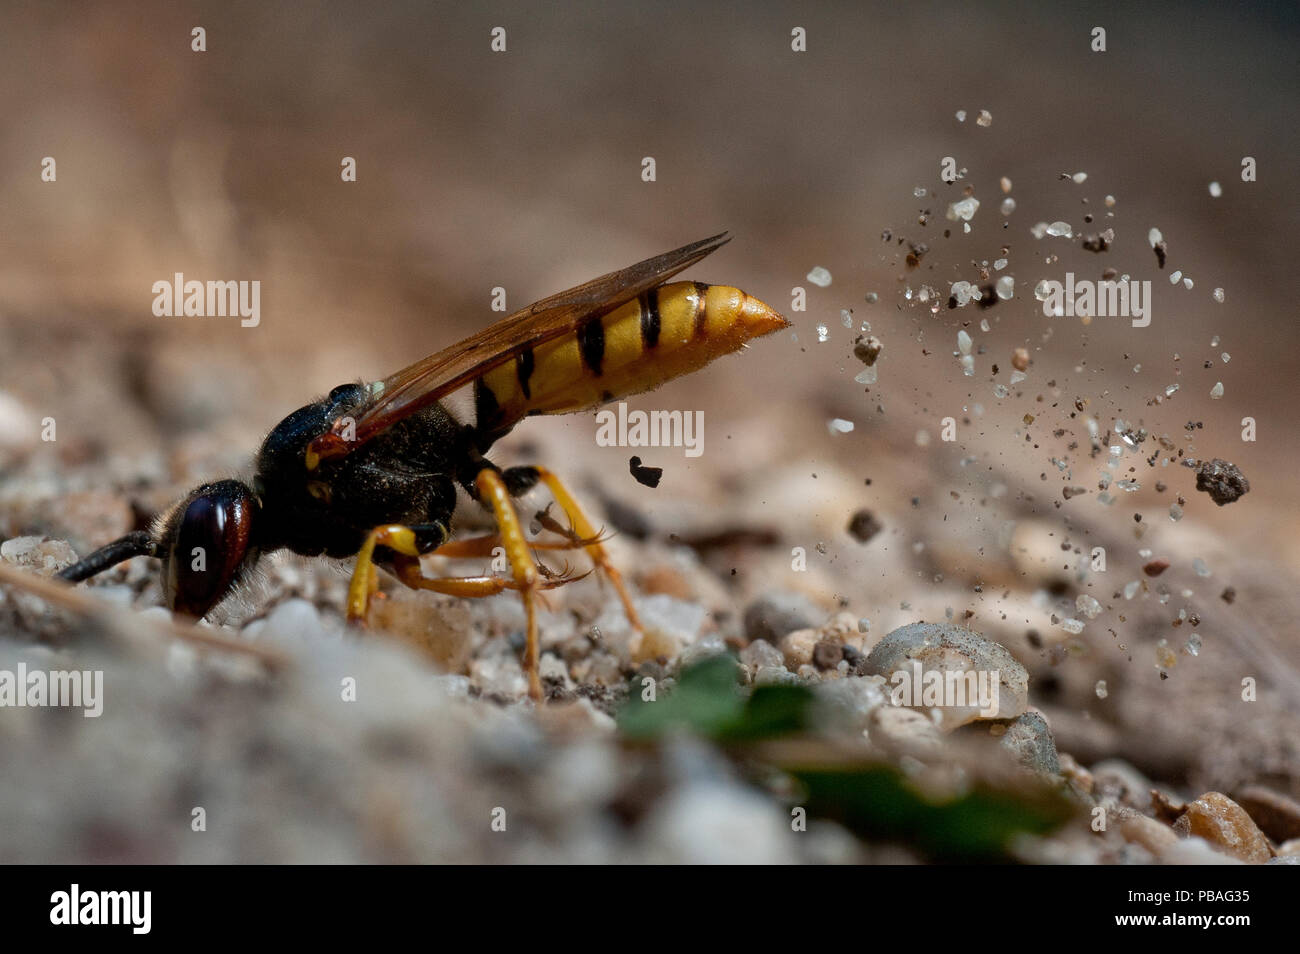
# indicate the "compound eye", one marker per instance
pixel 209 546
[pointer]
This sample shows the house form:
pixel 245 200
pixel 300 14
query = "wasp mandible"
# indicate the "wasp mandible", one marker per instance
pixel 371 470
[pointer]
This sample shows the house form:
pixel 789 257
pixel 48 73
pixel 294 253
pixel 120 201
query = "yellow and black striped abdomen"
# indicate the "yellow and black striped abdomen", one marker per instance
pixel 669 331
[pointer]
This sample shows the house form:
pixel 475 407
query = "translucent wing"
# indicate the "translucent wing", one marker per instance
pixel 433 378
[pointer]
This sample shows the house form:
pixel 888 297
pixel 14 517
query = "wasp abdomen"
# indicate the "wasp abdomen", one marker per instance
pixel 667 332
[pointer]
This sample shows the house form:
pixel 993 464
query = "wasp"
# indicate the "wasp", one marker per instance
pixel 372 469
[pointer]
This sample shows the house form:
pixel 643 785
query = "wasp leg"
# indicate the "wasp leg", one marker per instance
pixel 492 490
pixel 407 570
pixel 585 531
pixel 483 546
pixel 365 580
pixel 406 546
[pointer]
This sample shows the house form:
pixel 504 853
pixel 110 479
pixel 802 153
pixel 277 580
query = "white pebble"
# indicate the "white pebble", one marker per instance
pixel 964 209
pixel 820 277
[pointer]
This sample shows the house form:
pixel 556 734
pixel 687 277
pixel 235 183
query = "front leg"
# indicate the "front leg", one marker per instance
pixel 493 491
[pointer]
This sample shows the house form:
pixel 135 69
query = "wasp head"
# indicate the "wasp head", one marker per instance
pixel 205 543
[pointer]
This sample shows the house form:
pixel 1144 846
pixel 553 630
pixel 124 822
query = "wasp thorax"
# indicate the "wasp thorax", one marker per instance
pixel 205 543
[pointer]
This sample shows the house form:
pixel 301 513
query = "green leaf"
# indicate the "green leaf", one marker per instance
pixel 708 701
pixel 879 802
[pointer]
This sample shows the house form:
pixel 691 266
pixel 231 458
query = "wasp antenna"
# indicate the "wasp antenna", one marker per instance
pixel 134 544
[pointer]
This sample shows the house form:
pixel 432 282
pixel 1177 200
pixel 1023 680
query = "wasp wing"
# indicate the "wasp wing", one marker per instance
pixel 429 380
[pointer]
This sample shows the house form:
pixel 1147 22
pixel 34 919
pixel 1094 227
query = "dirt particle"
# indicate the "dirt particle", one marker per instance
pixel 863 525
pixel 1155 567
pixel 648 476
pixel 1222 480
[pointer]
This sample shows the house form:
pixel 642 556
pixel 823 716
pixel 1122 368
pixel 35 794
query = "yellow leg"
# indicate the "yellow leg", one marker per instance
pixel 492 491
pixel 365 580
pixel 583 528
pixel 524 574
pixel 483 546
pixel 408 571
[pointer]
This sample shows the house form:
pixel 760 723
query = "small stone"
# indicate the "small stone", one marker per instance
pixel 820 277
pixel 775 676
pixel 1029 739
pixel 1087 605
pixel 1155 567
pixel 1020 359
pixel 864 525
pixel 867 348
pixel 797 647
pixel 1119 781
pixel 963 210
pixel 1156 837
pixel 1277 815
pixel 904 731
pixel 1226 825
pixel 45 557
pixel 772 616
pixel 1222 480
pixel 760 653
pixel 827 654
pixel 946 648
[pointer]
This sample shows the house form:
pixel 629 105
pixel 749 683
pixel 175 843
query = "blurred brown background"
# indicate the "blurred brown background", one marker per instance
pixel 522 169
